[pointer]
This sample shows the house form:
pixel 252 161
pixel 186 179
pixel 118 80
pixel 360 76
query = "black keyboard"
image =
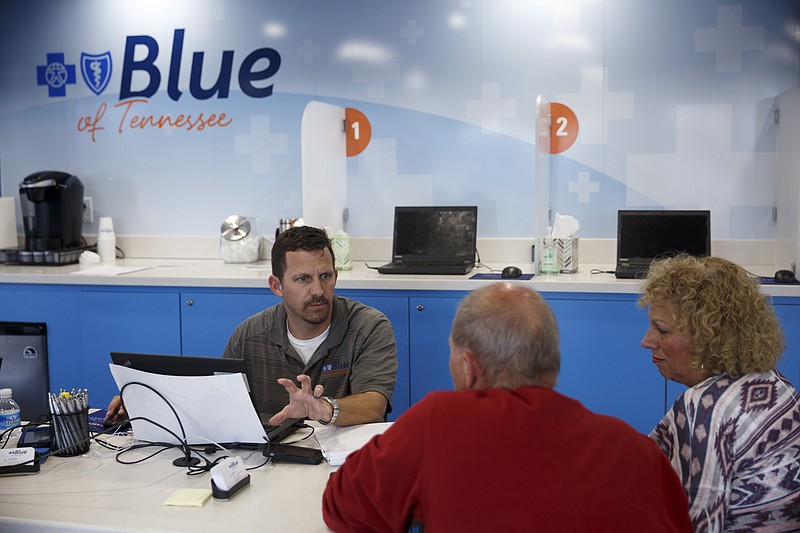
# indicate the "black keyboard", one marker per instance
pixel 630 272
pixel 410 267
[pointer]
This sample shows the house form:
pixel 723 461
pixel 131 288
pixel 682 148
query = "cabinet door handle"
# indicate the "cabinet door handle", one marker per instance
pixel 190 302
pixel 420 307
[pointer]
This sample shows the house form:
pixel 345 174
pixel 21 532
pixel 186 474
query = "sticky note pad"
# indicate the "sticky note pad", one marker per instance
pixel 189 497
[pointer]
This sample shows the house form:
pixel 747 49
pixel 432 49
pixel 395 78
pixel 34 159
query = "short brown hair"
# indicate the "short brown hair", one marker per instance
pixel 732 324
pixel 306 238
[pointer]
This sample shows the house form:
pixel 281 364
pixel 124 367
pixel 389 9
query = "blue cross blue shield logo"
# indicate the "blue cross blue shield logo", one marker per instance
pixel 56 74
pixel 96 70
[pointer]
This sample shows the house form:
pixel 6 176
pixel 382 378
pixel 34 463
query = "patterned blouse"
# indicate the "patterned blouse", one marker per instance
pixel 735 443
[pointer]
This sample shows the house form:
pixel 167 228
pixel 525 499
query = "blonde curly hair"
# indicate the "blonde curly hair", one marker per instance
pixel 732 324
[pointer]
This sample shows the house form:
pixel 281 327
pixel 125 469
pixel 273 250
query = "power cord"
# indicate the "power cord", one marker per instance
pixel 478 263
pixel 43 456
pixel 303 426
pixel 187 459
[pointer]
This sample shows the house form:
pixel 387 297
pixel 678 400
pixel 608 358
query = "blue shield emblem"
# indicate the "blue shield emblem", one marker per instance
pixel 96 70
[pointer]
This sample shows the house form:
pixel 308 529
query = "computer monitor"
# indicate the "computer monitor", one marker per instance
pixel 437 233
pixel 643 236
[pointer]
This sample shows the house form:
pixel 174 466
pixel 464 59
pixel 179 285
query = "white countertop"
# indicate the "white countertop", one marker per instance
pixel 94 492
pixel 216 273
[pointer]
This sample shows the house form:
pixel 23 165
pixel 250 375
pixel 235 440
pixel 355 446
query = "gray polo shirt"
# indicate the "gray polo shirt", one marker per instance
pixel 359 355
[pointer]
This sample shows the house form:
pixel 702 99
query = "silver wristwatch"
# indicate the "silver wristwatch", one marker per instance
pixel 335 406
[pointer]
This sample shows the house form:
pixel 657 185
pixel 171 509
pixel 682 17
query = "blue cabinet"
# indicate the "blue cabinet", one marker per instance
pixel 396 310
pixel 56 306
pixel 602 362
pixel 430 321
pixel 209 317
pixel 123 320
pixel 788 311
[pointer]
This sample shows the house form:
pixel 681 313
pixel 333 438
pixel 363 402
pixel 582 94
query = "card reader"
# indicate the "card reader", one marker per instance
pixel 19 461
pixel 293 454
pixel 35 437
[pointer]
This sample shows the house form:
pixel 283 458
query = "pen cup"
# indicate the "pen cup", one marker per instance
pixel 69 433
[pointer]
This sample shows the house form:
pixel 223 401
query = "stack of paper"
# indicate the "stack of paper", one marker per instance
pixel 337 443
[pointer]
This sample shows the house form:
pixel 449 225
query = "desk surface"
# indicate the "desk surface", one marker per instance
pixel 96 493
pixel 215 273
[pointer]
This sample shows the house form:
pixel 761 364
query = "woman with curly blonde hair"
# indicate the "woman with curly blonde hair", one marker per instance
pixel 734 435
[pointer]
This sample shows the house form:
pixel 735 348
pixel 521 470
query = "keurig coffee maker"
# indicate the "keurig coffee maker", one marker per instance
pixel 52 215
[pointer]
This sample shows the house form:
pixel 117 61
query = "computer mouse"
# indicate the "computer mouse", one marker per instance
pixel 784 276
pixel 510 272
pixel 113 424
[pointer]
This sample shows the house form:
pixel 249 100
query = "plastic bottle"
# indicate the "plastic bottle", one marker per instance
pixel 106 241
pixel 9 411
pixel 548 266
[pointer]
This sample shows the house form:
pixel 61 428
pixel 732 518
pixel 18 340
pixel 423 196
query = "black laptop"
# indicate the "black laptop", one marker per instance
pixel 433 240
pixel 186 365
pixel 644 236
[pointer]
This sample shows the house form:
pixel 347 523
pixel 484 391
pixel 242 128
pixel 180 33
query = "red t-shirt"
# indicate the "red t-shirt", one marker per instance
pixel 506 460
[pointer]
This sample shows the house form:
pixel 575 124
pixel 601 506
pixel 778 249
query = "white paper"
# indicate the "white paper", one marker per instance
pixel 8 223
pixel 211 408
pixel 109 270
pixel 339 442
pixel 565 226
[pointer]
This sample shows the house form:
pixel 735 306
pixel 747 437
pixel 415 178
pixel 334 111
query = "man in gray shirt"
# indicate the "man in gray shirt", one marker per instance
pixel 342 352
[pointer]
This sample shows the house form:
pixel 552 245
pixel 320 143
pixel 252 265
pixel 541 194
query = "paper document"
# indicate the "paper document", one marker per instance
pixel 211 408
pixel 109 270
pixel 337 443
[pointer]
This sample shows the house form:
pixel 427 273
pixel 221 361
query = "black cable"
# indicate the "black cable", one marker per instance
pixel 198 470
pixel 43 456
pixel 259 466
pixel 598 271
pixel 192 461
pixel 34 423
pixel 164 446
pixel 303 426
pixel 7 438
pixel 187 459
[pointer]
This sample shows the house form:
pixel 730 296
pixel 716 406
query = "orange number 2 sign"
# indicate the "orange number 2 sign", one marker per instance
pixel 563 129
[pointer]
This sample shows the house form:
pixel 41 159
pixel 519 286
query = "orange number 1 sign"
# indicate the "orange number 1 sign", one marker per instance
pixel 358 131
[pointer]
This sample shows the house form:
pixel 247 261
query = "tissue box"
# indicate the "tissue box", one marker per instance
pixel 567 255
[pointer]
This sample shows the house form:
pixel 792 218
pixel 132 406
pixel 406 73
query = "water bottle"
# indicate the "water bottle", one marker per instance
pixel 9 411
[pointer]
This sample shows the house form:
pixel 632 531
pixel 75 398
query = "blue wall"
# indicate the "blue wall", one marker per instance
pixel 674 101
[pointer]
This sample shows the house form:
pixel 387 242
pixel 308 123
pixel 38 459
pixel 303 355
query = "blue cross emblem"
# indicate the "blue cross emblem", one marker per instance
pixel 56 75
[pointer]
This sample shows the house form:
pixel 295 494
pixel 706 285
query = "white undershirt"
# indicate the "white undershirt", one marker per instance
pixel 306 347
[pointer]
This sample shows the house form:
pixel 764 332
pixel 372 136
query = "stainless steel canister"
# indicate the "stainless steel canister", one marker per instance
pixel 567 255
pixel 240 240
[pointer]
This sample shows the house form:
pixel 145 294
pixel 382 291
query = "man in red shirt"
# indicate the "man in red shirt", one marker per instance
pixel 504 451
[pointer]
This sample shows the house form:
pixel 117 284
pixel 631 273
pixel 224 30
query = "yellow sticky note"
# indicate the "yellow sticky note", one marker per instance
pixel 189 497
